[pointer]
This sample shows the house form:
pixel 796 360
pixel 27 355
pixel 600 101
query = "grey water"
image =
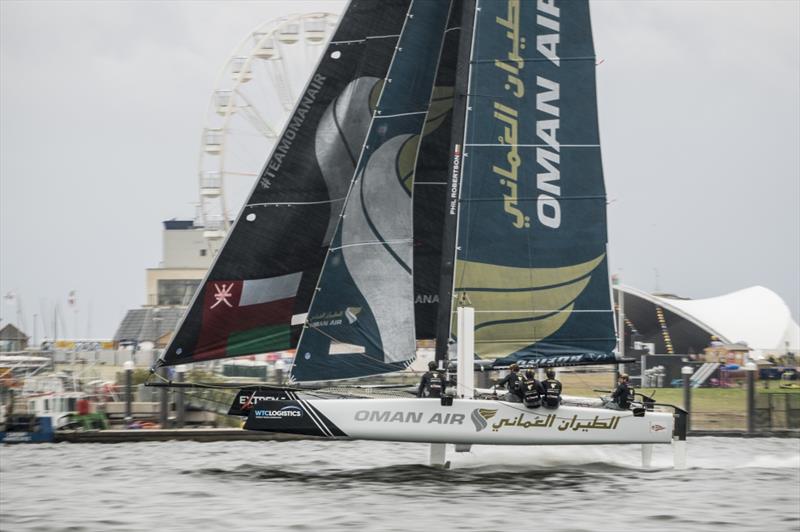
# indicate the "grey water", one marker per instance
pixel 731 484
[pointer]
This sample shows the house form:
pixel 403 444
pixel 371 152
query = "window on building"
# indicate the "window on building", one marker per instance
pixel 203 252
pixel 176 291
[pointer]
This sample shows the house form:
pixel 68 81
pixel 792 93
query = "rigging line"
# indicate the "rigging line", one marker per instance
pixel 537 59
pixel 532 145
pixel 538 198
pixel 289 203
pixel 378 114
pixel 375 243
pixel 365 39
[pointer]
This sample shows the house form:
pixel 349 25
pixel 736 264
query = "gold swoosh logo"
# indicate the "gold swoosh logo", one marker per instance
pixel 517 307
pixel 487 413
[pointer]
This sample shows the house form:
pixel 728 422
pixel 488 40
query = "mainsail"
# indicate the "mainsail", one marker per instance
pixel 531 253
pixel 261 283
pixel 361 320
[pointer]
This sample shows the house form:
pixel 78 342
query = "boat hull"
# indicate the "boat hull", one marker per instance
pixel 466 421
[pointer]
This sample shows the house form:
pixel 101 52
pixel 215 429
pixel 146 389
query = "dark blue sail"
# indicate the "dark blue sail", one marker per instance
pixel 361 320
pixel 532 236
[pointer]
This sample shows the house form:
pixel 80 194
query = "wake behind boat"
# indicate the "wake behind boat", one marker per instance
pixel 443 155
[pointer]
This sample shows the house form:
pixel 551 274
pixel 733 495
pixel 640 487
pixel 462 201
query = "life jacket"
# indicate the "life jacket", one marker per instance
pixel 435 384
pixel 627 398
pixel 552 393
pixel 530 394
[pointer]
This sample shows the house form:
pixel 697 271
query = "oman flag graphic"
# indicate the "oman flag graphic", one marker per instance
pixel 246 317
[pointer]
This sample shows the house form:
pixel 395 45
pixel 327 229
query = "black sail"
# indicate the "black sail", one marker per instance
pixel 261 283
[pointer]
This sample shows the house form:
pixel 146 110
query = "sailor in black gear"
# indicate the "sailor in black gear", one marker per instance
pixel 532 390
pixel 552 390
pixel 512 384
pixel 433 382
pixel 623 395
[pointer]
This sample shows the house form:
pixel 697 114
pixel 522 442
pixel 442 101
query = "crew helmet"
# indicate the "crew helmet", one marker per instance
pixel 431 365
pixel 551 373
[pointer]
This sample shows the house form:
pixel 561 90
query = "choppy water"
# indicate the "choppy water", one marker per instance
pixel 732 484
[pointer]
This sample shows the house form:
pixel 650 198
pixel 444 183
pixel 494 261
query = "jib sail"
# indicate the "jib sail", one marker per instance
pixel 361 321
pixel 255 295
pixel 531 252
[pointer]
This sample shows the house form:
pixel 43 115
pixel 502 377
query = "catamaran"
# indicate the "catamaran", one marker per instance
pixel 440 178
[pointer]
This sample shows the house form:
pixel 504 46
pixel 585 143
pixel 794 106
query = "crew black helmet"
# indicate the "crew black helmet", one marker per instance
pixel 431 365
pixel 529 373
pixel 551 374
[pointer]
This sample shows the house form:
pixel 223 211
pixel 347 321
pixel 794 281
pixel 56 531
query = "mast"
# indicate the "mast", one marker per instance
pixel 461 92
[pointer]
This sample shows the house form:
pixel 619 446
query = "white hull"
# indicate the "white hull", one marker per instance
pixel 467 421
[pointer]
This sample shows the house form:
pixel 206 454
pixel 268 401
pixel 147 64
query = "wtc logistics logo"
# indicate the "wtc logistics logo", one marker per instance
pixel 286 411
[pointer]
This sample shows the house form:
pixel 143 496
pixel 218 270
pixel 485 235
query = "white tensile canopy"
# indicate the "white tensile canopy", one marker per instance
pixel 756 316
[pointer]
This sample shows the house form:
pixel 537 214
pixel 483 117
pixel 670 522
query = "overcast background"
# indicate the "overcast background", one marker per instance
pixel 102 106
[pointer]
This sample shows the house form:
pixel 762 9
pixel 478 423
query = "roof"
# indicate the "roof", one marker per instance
pixel 756 316
pixel 148 324
pixel 10 332
pixel 178 224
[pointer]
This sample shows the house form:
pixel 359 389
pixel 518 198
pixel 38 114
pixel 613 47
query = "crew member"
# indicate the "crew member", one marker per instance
pixel 433 382
pixel 623 395
pixel 532 390
pixel 512 384
pixel 552 390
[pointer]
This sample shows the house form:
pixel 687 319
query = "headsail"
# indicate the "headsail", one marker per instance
pixel 532 236
pixel 260 285
pixel 361 321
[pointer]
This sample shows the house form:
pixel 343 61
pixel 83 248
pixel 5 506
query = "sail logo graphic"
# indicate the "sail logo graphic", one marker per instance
pixel 480 416
pixel 548 296
pixel 655 427
pixel 223 292
pixel 286 411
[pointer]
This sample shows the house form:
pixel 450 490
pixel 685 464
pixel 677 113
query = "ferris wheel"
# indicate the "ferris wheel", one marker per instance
pixel 254 94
